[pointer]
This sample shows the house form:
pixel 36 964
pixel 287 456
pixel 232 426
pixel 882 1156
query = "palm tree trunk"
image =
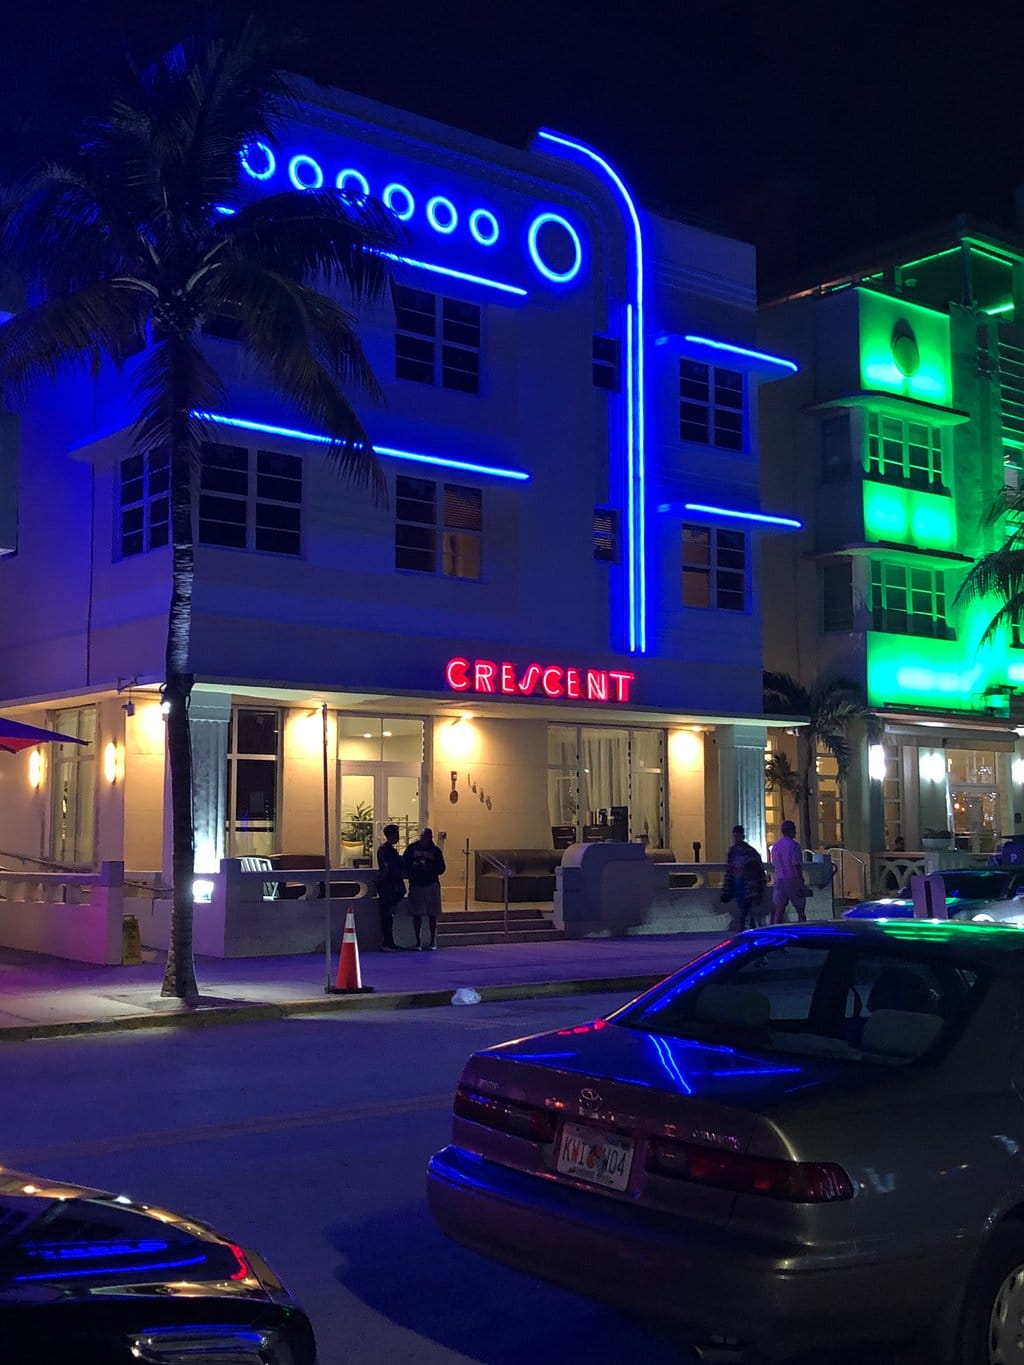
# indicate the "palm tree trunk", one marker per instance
pixel 180 973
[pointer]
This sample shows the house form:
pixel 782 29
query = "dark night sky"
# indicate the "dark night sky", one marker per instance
pixel 813 128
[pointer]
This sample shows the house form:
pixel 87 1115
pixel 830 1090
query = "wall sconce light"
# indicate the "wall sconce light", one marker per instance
pixel 1018 771
pixel 35 769
pixel 933 767
pixel 113 762
pixel 876 762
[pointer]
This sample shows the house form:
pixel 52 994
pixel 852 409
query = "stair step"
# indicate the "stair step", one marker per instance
pixel 518 913
pixel 476 938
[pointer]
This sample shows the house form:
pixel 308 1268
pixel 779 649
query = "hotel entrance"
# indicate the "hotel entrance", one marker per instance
pixel 380 782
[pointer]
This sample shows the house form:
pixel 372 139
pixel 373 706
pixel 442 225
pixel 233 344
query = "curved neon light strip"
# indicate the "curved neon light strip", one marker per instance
pixel 555 276
pixel 743 516
pixel 476 218
pixel 410 203
pixel 453 214
pixel 415 457
pixel 293 172
pixel 359 178
pixel 456 274
pixel 243 156
pixel 743 350
pixel 635 457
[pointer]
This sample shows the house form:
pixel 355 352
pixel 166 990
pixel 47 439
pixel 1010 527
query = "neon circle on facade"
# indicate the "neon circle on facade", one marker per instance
pixel 300 162
pixel 442 214
pixel 349 174
pixel 391 192
pixel 555 276
pixel 270 160
pixel 484 227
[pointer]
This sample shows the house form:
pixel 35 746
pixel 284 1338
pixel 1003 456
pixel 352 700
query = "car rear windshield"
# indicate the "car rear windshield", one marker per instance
pixel 978 886
pixel 857 1002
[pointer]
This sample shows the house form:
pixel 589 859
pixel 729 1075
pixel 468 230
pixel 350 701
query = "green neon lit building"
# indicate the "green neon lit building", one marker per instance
pixel 893 443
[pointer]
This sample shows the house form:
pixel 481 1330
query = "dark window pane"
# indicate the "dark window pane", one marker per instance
pixel 279 490
pixel 220 533
pixel 415 310
pixel 255 792
pixel 606 349
pixel 277 542
pixel 273 515
pixel 224 456
pixel 132 520
pixel 281 466
pixel 256 732
pixel 414 369
pixel 222 509
pixel 131 468
pixel 159 535
pixel 132 544
pixel 694 372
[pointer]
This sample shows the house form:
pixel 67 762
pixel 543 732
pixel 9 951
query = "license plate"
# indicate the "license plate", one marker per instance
pixel 601 1158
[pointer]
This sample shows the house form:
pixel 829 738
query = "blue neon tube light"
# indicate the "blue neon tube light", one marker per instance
pixel 415 457
pixel 456 274
pixel 742 516
pixel 636 393
pixel 744 351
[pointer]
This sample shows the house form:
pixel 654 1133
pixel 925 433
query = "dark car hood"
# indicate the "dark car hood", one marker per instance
pixel 734 1076
pixel 61 1241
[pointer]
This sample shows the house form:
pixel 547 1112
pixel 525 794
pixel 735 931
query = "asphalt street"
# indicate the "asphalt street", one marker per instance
pixel 308 1139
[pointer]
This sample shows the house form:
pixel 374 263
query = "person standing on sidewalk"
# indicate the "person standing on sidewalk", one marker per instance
pixel 423 864
pixel 390 885
pixel 789 885
pixel 745 880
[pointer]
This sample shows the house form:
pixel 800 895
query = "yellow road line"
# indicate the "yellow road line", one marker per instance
pixel 215 1132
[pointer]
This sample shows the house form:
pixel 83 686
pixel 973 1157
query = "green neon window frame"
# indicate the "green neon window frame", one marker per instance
pixel 909 600
pixel 902 451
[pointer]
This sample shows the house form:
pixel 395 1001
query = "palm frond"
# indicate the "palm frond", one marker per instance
pixel 175 380
pixel 784 695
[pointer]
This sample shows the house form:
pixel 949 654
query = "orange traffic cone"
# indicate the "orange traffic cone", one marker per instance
pixel 350 978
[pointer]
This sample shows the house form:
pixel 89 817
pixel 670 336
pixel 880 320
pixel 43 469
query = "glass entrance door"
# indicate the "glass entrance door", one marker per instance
pixel 373 795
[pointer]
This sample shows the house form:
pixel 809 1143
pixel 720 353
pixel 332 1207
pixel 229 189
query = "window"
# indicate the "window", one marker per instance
pixel 830 799
pixel 905 452
pixel 605 535
pixel 144 515
pixel 607 784
pixel 606 363
pixel 72 829
pixel 837 596
pixel 892 794
pixel 437 340
pixel 710 405
pixel 253 765
pixel 438 527
pixel 1013 467
pixel 835 449
pixel 243 512
pixel 908 601
pixel 714 568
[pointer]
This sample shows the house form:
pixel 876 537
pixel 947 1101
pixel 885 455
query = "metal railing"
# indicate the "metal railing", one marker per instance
pixel 505 871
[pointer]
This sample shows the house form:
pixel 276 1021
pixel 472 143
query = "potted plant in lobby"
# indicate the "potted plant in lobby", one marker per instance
pixel 357 832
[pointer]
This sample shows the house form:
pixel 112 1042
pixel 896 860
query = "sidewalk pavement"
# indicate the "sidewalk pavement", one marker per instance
pixel 46 997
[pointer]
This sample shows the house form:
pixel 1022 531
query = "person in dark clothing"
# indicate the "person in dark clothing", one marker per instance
pixel 390 885
pixel 744 880
pixel 423 864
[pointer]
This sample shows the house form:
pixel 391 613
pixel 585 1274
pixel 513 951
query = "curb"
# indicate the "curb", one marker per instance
pixel 257 1012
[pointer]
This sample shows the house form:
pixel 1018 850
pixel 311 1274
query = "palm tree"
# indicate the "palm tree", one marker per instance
pixel 832 709
pixel 781 776
pixel 999 575
pixel 123 236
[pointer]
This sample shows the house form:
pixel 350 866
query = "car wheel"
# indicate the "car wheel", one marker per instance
pixel 993 1317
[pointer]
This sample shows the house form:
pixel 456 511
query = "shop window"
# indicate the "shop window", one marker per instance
pixel 254 763
pixel 711 405
pixel 438 527
pixel 908 601
pixel 714 568
pixel 905 452
pixel 605 535
pixel 437 340
pixel 250 500
pixel 606 784
pixel 837 596
pixel 144 504
pixel 73 787
pixel 835 449
pixel 606 363
pixel 892 796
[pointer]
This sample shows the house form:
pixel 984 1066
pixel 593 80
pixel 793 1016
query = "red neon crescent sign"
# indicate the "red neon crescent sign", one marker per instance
pixel 487 678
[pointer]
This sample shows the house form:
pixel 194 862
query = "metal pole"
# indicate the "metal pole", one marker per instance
pixel 327 859
pixel 465 895
pixel 505 916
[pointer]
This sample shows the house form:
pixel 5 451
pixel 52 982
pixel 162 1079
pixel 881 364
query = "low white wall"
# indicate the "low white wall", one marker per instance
pixel 81 933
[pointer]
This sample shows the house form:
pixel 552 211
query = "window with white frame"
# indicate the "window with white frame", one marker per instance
pixel 438 527
pixel 144 505
pixel 254 767
pixel 711 405
pixel 250 499
pixel 905 452
pixel 437 340
pixel 714 568
pixel 909 601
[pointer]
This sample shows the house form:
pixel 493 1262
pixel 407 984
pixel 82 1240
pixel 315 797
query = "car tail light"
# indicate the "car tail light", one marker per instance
pixel 800 1182
pixel 508 1116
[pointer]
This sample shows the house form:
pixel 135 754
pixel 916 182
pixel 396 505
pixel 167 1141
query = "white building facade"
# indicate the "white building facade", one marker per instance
pixel 551 629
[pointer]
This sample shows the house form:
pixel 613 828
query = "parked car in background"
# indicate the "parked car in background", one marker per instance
pixel 991 894
pixel 88 1278
pixel 809 1139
